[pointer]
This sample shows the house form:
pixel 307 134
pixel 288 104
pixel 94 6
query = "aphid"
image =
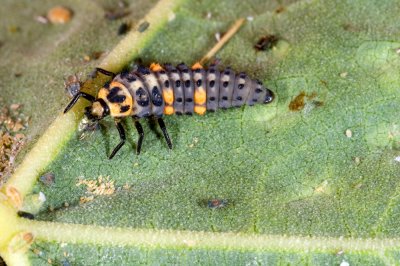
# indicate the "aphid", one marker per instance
pixel 217 203
pixel 158 90
pixel 72 85
pixel 48 179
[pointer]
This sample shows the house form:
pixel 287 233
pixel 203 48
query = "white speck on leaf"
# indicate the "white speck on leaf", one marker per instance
pixel 349 133
pixel 344 263
pixel 42 197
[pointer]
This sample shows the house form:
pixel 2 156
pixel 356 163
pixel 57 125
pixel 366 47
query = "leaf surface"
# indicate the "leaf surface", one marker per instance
pixel 310 179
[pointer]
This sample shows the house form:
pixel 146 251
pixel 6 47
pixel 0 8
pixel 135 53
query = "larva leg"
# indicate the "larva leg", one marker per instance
pixel 141 136
pixel 76 98
pixel 164 130
pixel 106 72
pixel 122 137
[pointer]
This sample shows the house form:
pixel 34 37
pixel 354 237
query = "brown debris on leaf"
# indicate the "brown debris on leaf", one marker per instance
pixel 118 11
pixel 12 122
pixel 102 186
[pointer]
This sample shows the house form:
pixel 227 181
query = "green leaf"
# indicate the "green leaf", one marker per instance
pixel 311 178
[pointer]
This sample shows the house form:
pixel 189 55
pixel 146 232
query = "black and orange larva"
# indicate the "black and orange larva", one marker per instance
pixel 159 90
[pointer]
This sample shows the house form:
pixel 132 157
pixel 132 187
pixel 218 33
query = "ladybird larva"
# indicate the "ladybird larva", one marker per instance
pixel 165 90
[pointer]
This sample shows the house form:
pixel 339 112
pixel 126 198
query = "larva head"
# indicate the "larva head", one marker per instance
pixel 269 97
pixel 98 110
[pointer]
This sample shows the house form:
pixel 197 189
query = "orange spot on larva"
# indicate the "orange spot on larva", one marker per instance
pixel 155 67
pixel 197 65
pixel 168 96
pixel 168 110
pixel 14 196
pixel 200 96
pixel 201 110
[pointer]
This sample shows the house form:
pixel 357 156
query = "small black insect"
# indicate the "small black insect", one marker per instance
pixel 2 262
pixel 124 28
pixel 143 26
pixel 266 42
pixel 166 90
pixel 26 215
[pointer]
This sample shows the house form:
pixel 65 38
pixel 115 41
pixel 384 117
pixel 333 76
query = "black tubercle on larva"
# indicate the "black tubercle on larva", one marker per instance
pixel 141 97
pixel 131 78
pixel 124 108
pixel 114 97
pixel 124 74
pixel 143 70
pixel 156 96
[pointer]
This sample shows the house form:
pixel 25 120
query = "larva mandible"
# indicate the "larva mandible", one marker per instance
pixel 159 90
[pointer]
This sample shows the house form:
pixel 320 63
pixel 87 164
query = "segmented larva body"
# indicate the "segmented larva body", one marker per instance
pixel 168 90
pixel 160 90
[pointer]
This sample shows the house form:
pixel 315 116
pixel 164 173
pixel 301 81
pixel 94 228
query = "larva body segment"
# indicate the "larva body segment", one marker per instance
pixel 226 83
pixel 187 83
pixel 178 91
pixel 212 77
